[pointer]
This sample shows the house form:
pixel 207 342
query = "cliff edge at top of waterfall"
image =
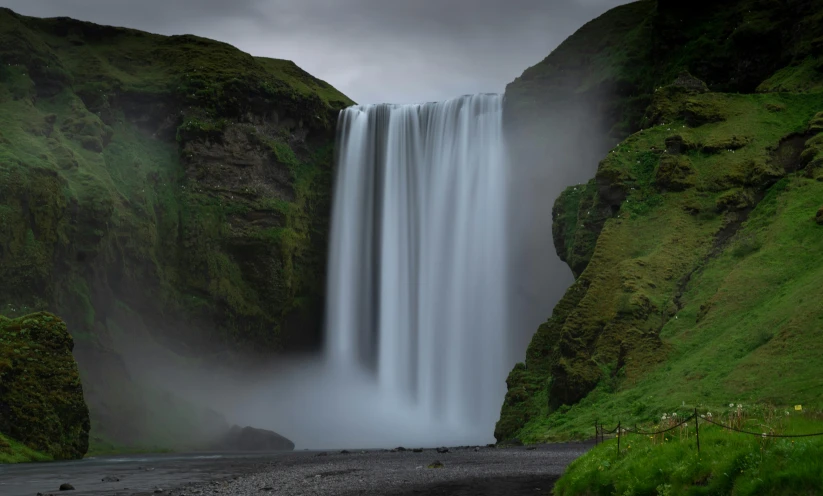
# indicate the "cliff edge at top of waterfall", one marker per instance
pixel 694 246
pixel 160 193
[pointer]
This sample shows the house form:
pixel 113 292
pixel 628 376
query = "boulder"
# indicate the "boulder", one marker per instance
pixel 674 173
pixel 690 83
pixel 252 439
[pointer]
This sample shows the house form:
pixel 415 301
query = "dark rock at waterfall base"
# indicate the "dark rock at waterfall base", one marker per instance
pixel 252 439
pixel 443 450
pixel 110 478
pixel 66 487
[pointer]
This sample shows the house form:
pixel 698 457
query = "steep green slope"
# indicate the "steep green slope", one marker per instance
pixel 175 178
pixel 694 252
pixel 613 64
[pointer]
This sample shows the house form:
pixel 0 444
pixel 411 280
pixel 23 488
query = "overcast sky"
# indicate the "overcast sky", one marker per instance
pixel 398 51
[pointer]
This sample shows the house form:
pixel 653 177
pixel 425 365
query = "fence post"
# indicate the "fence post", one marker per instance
pixel 618 438
pixel 596 433
pixel 697 430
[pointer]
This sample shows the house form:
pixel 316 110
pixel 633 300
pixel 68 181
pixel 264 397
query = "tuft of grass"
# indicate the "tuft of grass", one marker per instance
pixel 13 452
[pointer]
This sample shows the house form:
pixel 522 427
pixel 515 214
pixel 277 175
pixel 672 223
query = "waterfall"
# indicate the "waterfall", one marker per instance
pixel 417 267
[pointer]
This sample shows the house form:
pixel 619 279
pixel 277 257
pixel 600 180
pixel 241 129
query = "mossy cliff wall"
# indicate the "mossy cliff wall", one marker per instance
pixel 172 186
pixel 41 398
pixel 692 218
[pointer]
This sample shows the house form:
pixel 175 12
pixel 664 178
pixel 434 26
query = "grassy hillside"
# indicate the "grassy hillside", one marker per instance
pixel 613 64
pixel 695 245
pixel 727 463
pixel 175 178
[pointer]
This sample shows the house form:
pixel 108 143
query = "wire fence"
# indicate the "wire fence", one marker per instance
pixel 601 431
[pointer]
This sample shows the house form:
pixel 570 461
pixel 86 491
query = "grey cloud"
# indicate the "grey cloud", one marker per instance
pixel 372 50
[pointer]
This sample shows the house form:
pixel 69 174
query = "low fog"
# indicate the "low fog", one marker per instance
pixel 320 406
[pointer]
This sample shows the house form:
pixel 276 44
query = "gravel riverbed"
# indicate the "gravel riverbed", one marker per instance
pixel 477 471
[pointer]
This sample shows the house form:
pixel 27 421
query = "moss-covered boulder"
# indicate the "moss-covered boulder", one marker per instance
pixel 41 398
pixel 674 173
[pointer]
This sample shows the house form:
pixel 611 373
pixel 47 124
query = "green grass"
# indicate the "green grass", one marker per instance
pixel 13 452
pixel 666 311
pixel 621 57
pixel 728 462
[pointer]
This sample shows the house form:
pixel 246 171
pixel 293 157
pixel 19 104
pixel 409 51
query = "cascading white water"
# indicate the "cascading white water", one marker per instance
pixel 417 269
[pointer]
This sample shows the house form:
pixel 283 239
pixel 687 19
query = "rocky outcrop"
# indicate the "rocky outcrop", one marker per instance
pixel 252 439
pixel 674 173
pixel 41 398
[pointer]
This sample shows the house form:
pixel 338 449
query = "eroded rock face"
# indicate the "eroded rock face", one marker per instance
pixel 41 398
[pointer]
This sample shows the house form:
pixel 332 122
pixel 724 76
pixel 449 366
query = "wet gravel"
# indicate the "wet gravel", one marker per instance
pixel 477 471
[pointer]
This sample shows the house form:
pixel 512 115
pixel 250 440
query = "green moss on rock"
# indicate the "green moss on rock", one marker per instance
pixel 578 216
pixel 41 398
pixel 608 333
pixel 622 58
pixel 674 173
pixel 177 174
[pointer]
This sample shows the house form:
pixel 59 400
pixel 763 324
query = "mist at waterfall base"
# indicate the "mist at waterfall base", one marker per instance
pixel 441 268
pixel 415 347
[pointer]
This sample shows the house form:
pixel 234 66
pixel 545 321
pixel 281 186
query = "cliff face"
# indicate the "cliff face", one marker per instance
pixel 41 399
pixel 172 187
pixel 686 245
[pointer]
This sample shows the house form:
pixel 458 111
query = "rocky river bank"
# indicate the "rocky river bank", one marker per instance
pixel 467 470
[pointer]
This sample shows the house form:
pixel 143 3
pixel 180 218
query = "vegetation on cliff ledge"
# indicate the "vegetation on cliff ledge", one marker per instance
pixel 44 415
pixel 695 245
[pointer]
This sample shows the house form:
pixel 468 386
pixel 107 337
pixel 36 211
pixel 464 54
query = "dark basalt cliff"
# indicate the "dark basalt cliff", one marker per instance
pixel 692 222
pixel 170 188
